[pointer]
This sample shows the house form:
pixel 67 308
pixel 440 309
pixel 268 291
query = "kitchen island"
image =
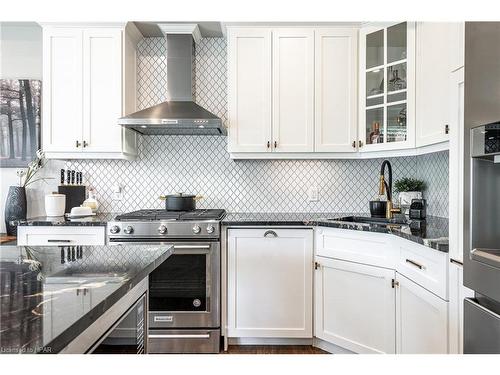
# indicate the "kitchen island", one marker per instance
pixel 54 298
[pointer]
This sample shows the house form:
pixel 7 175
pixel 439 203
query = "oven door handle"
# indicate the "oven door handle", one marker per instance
pixel 177 336
pixel 179 247
pixel 490 257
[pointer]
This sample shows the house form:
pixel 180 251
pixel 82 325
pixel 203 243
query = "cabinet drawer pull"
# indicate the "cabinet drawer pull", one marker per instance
pixel 65 241
pixel 413 263
pixel 78 144
pixel 275 144
pixel 268 144
pixel 353 144
pixel 360 144
pixel 179 336
pixel 85 144
pixel 270 233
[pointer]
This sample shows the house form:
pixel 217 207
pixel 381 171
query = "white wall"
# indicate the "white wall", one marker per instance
pixel 21 57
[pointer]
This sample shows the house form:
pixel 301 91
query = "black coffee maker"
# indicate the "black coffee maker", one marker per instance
pixel 417 209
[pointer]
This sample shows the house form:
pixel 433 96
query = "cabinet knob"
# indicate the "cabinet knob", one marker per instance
pixel 78 144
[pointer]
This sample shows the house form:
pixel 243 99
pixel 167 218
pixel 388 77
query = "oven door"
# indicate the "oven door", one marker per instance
pixel 184 290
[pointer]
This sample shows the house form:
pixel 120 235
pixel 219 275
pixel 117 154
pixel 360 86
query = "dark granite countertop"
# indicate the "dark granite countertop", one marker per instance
pixel 432 232
pixel 100 219
pixel 41 310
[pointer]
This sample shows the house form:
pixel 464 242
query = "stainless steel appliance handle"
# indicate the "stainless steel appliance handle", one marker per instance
pixel 270 233
pixel 413 263
pixel 65 241
pixel 487 256
pixel 177 336
pixel 191 247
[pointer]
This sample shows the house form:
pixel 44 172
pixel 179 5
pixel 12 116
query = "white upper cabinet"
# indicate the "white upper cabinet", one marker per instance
pixel 62 90
pixel 335 111
pixel 102 105
pixel 293 90
pixel 89 82
pixel 387 87
pixel 249 73
pixel 434 59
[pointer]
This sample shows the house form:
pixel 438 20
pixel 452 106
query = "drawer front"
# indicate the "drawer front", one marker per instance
pixel 425 266
pixel 60 236
pixel 183 341
pixel 355 246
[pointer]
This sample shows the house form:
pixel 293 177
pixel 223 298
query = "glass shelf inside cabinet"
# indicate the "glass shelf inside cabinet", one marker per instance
pixel 374 87
pixel 375 49
pixel 396 123
pixel 375 125
pixel 396 42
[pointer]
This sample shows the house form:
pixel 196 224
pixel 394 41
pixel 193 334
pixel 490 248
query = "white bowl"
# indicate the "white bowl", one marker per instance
pixel 81 211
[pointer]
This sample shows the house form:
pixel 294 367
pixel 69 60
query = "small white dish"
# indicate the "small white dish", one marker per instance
pixel 70 216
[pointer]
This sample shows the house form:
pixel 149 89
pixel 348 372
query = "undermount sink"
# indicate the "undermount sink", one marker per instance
pixel 372 220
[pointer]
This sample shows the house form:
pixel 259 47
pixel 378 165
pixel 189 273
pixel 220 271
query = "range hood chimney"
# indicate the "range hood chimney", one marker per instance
pixel 180 115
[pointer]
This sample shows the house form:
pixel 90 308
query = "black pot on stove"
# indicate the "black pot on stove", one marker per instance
pixel 180 201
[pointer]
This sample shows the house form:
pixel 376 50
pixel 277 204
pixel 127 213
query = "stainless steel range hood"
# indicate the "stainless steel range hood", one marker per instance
pixel 180 115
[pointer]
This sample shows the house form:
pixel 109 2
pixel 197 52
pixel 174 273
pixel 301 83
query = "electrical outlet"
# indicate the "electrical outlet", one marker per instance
pixel 313 194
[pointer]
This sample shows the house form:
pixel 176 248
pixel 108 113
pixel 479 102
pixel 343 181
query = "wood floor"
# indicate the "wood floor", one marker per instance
pixel 274 349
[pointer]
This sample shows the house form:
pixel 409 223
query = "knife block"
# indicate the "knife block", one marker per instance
pixel 75 195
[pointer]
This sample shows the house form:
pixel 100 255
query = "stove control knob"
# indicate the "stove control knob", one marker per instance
pixel 210 229
pixel 196 229
pixel 162 229
pixel 129 230
pixel 114 229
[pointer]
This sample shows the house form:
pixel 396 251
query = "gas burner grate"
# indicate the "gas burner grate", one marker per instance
pixel 159 214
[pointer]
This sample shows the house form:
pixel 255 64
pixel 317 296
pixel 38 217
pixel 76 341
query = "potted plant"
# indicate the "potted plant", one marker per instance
pixel 408 189
pixel 16 206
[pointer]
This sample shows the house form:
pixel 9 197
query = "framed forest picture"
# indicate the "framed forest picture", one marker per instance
pixel 20 102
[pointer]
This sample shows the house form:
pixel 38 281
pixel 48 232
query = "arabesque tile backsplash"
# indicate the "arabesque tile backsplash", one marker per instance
pixel 202 165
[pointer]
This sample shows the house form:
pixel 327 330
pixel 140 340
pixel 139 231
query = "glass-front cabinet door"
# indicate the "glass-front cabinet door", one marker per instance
pixel 387 85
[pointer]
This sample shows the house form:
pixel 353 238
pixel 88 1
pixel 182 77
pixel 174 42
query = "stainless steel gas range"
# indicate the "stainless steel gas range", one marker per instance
pixel 184 291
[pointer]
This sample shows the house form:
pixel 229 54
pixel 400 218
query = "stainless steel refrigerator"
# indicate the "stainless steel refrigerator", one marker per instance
pixel 481 232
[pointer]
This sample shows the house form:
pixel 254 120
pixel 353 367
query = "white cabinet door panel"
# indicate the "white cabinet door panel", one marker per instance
pixel 102 101
pixel 355 306
pixel 433 73
pixel 249 75
pixel 421 320
pixel 270 283
pixel 293 90
pixel 335 90
pixel 62 89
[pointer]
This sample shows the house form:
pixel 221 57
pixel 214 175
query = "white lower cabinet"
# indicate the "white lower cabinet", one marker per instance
pixel 421 320
pixel 269 287
pixel 363 302
pixel 355 306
